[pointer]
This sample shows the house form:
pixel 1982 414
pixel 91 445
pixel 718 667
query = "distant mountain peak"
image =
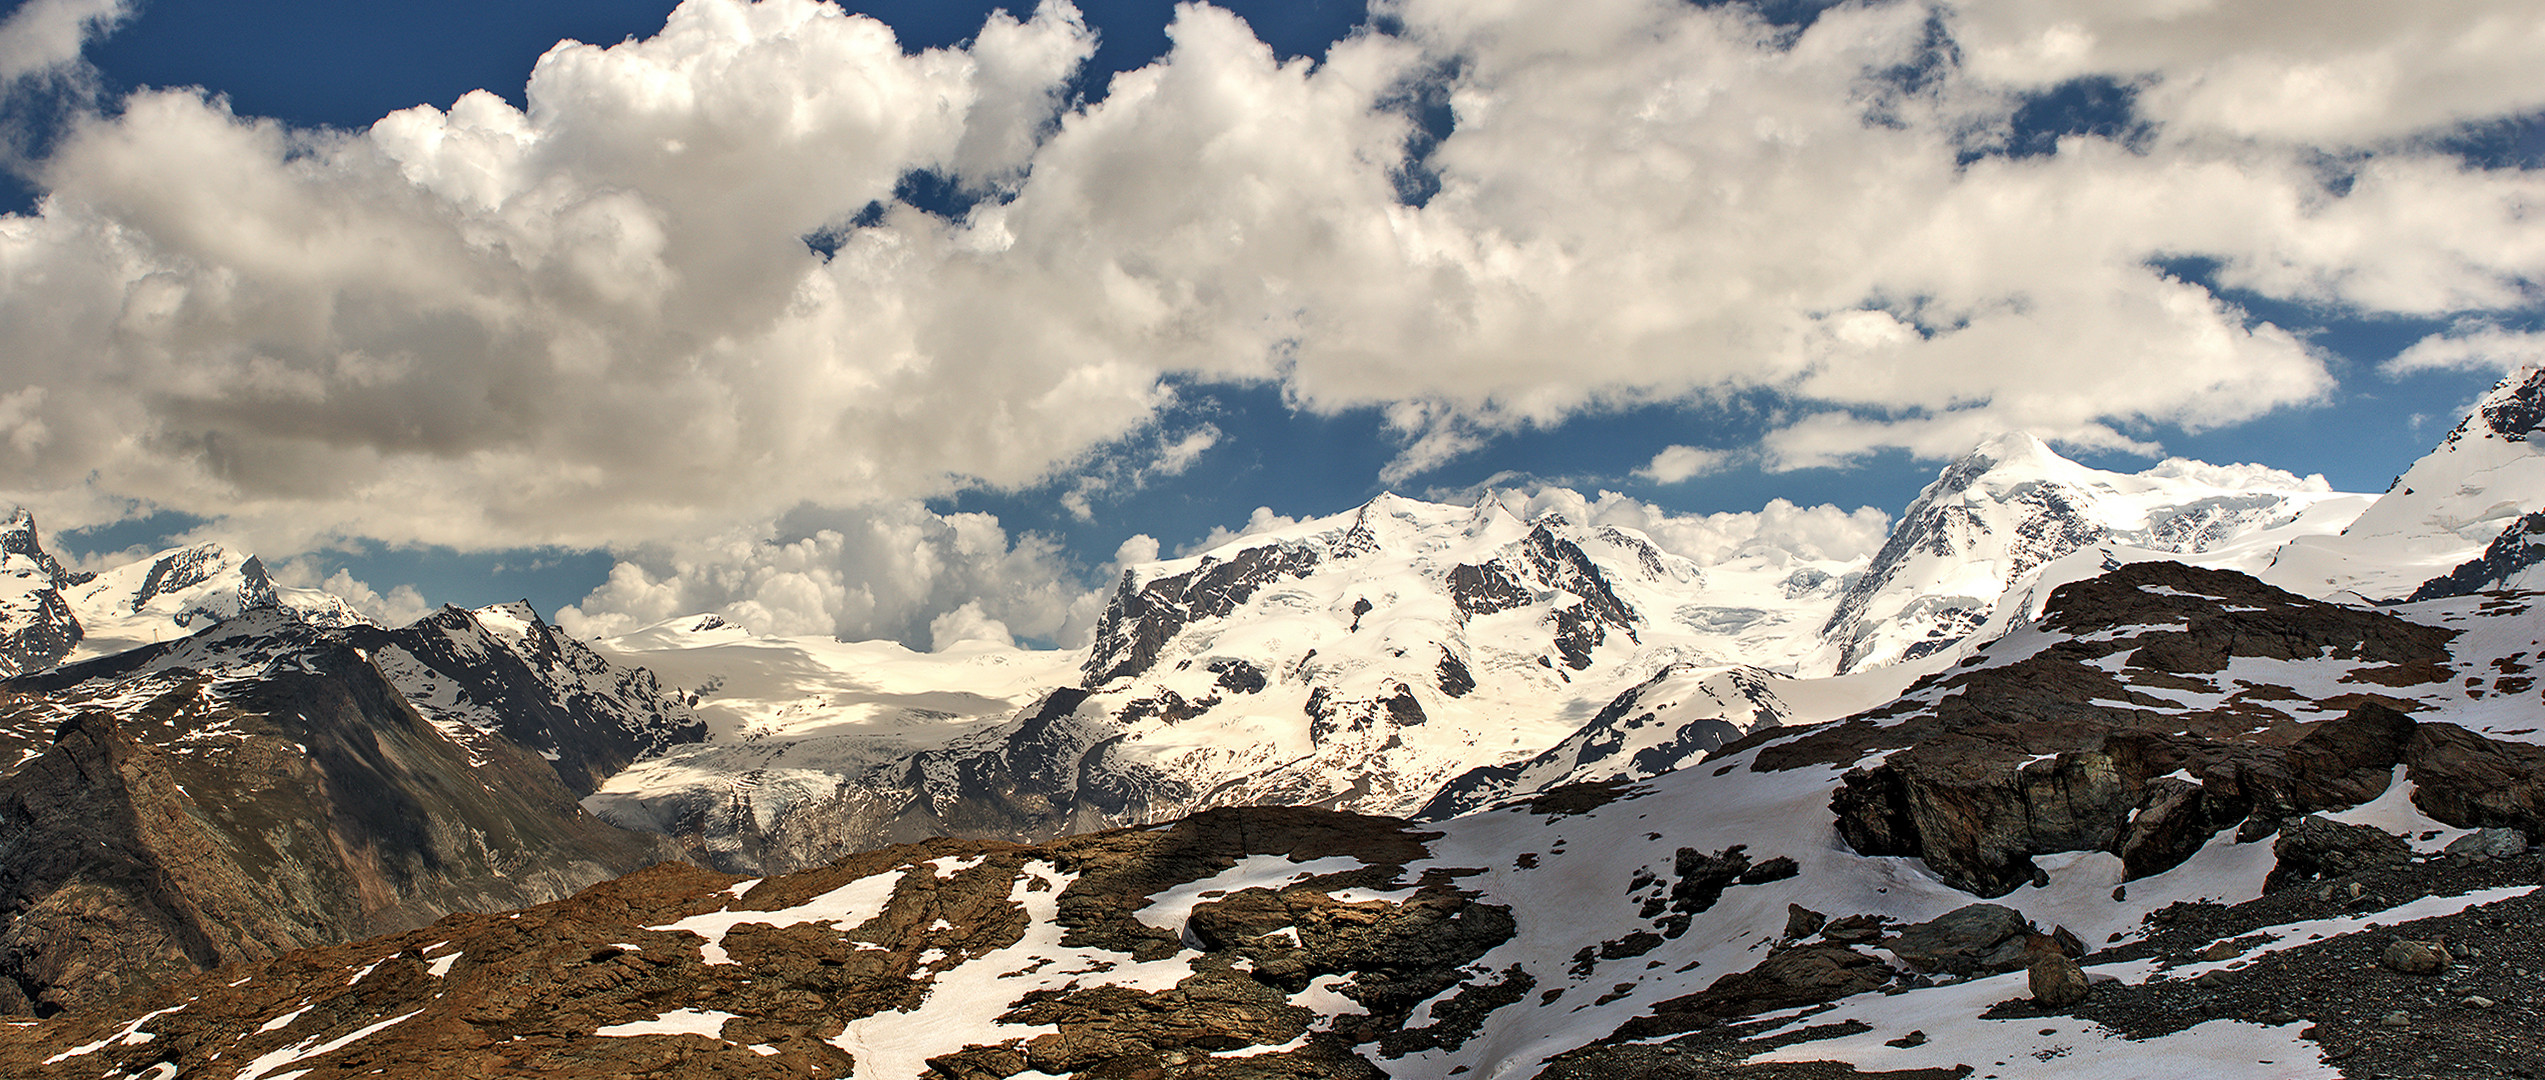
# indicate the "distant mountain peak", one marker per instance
pixel 2011 505
pixel 2466 493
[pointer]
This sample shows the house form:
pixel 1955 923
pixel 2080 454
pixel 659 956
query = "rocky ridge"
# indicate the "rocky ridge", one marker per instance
pixel 265 784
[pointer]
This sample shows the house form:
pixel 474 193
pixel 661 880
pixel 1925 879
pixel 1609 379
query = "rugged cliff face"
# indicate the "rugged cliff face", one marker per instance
pixel 259 787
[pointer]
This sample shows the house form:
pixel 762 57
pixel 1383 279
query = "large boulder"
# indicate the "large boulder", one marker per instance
pixel 2056 981
pixel 2312 847
pixel 1799 975
pixel 1971 940
pixel 2471 782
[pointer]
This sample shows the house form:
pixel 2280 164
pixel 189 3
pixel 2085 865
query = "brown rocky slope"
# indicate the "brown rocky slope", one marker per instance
pixel 257 789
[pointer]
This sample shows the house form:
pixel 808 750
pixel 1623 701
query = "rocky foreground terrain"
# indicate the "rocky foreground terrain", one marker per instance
pixel 2182 824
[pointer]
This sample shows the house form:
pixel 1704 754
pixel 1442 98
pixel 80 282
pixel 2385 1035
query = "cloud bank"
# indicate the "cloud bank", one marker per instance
pixel 44 37
pixel 598 321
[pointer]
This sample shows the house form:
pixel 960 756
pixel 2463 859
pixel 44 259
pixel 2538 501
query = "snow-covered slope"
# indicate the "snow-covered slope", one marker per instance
pixel 1677 717
pixel 2012 505
pixel 2444 511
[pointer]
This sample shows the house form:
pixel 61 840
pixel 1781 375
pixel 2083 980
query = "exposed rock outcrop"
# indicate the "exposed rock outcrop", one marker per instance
pixel 2055 751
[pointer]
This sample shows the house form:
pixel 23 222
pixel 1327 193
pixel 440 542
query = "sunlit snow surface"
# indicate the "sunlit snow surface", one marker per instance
pixel 1374 685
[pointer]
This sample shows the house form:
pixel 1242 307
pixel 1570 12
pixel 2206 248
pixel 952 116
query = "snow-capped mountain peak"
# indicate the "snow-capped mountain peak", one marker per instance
pixel 2444 511
pixel 179 591
pixel 2013 504
pixel 37 627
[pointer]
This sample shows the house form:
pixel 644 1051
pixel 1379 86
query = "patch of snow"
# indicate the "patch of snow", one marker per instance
pixel 844 908
pixel 129 1034
pixel 1958 1037
pixel 951 865
pixel 1170 909
pixel 264 1066
pixel 676 1022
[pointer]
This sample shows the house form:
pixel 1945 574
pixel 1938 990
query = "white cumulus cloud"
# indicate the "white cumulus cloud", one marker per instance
pixel 893 571
pixel 44 36
pixel 1678 464
pixel 2488 348
pixel 595 321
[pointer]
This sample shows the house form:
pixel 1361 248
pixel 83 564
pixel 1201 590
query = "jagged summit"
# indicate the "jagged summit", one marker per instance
pixel 37 626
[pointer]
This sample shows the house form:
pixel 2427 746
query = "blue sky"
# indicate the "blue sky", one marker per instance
pixel 2285 344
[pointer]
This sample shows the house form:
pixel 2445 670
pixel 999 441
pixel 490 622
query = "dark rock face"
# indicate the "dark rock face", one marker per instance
pixel 541 991
pixel 2519 413
pixel 313 806
pixel 2473 782
pixel 1238 676
pixel 1453 677
pixel 2519 547
pixel 1139 622
pixel 1798 975
pixel 2054 753
pixel 1482 589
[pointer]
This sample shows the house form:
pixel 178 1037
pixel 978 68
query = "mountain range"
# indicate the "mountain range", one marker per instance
pixel 2202 767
